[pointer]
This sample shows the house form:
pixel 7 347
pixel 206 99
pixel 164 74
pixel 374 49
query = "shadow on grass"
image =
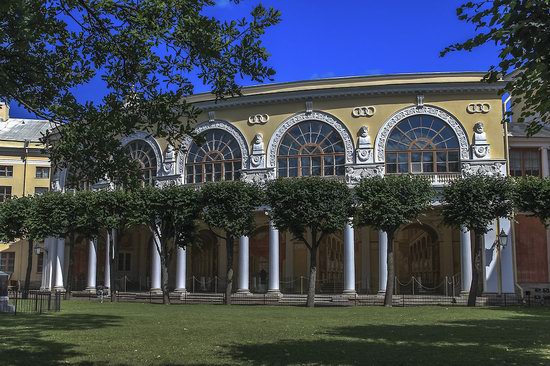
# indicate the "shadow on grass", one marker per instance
pixel 24 339
pixel 517 340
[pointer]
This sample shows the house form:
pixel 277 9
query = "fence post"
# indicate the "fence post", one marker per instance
pixel 301 285
pixel 215 284
pixel 446 286
pixel 16 304
pixel 413 284
pixel 193 279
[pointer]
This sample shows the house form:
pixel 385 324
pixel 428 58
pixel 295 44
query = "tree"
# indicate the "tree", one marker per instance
pixel 522 31
pixel 389 202
pixel 170 213
pixel 148 56
pixel 229 206
pixel 322 206
pixel 117 212
pixel 51 215
pixel 474 202
pixel 14 225
pixel 532 195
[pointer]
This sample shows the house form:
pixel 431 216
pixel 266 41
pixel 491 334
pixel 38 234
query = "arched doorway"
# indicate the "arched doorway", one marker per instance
pixel 204 263
pixel 418 260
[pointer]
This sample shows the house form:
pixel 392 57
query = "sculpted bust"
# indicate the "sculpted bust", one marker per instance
pixel 480 137
pixel 258 144
pixel 364 141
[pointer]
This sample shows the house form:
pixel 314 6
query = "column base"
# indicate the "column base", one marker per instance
pixel 276 292
pixel 244 291
pixel 381 293
pixel 59 289
pixel 465 293
pixel 90 289
pixel 349 292
pixel 156 291
pixel 181 291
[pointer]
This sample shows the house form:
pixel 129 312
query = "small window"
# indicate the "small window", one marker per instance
pixel 525 162
pixel 5 193
pixel 7 262
pixel 124 261
pixel 6 171
pixel 39 262
pixel 42 172
pixel 40 190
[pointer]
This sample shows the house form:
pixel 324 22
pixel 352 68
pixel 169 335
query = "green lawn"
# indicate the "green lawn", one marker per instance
pixel 89 333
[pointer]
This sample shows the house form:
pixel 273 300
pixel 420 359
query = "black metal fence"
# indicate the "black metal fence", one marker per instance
pixel 33 302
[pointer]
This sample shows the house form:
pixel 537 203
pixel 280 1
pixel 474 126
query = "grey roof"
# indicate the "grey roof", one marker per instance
pixel 19 129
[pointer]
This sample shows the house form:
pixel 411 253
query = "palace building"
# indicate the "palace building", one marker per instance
pixel 439 125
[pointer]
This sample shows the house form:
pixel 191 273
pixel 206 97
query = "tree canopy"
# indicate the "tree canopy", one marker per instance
pixel 147 55
pixel 322 206
pixel 532 195
pixel 521 29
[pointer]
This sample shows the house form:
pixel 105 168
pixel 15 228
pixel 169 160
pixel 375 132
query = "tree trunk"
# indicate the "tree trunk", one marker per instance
pixel 472 296
pixel 70 270
pixel 29 270
pixel 388 298
pixel 113 261
pixel 312 276
pixel 164 260
pixel 229 280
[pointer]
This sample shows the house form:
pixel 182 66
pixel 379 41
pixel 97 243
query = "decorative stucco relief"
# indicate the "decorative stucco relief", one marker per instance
pixel 381 139
pixel 316 116
pixel 355 173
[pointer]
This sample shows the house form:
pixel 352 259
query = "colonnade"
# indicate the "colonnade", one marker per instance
pixel 52 276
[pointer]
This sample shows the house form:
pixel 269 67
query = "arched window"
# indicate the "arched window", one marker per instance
pixel 422 144
pixel 143 154
pixel 311 148
pixel 218 158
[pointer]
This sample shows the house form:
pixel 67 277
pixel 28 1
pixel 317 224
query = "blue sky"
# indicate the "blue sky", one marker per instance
pixel 327 38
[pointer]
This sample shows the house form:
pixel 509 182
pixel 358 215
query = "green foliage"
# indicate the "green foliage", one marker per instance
pixel 51 214
pixel 532 195
pixel 170 212
pixel 475 201
pixel 230 206
pixel 522 31
pixel 146 53
pixel 14 223
pixel 388 202
pixel 320 204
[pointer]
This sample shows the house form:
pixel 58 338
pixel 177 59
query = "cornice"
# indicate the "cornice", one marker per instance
pixel 342 92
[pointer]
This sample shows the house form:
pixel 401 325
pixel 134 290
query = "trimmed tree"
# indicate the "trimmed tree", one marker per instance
pixel 386 203
pixel 322 206
pixel 14 225
pixel 170 213
pixel 474 202
pixel 229 206
pixel 532 195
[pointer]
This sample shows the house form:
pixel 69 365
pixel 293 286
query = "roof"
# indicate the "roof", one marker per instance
pixel 421 80
pixel 518 130
pixel 19 129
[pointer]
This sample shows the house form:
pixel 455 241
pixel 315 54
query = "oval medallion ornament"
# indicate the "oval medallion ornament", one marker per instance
pixel 365 111
pixel 258 119
pixel 478 108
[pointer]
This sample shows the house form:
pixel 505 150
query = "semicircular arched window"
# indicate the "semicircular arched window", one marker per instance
pixel 422 144
pixel 141 152
pixel 218 158
pixel 311 148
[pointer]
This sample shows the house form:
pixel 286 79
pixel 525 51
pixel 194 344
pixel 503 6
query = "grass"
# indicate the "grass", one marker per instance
pixel 89 333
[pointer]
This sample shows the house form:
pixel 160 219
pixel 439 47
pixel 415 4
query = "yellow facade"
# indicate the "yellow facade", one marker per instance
pixel 30 173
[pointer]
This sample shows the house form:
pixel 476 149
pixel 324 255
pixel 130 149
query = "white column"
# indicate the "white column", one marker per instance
pixel 382 261
pixel 181 268
pixel 46 266
pixel 499 267
pixel 59 262
pixel 52 248
pixel 506 259
pixel 544 161
pixel 465 259
pixel 349 259
pixel 243 264
pixel 155 265
pixel 92 265
pixel 365 259
pixel 273 259
pixel 107 272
